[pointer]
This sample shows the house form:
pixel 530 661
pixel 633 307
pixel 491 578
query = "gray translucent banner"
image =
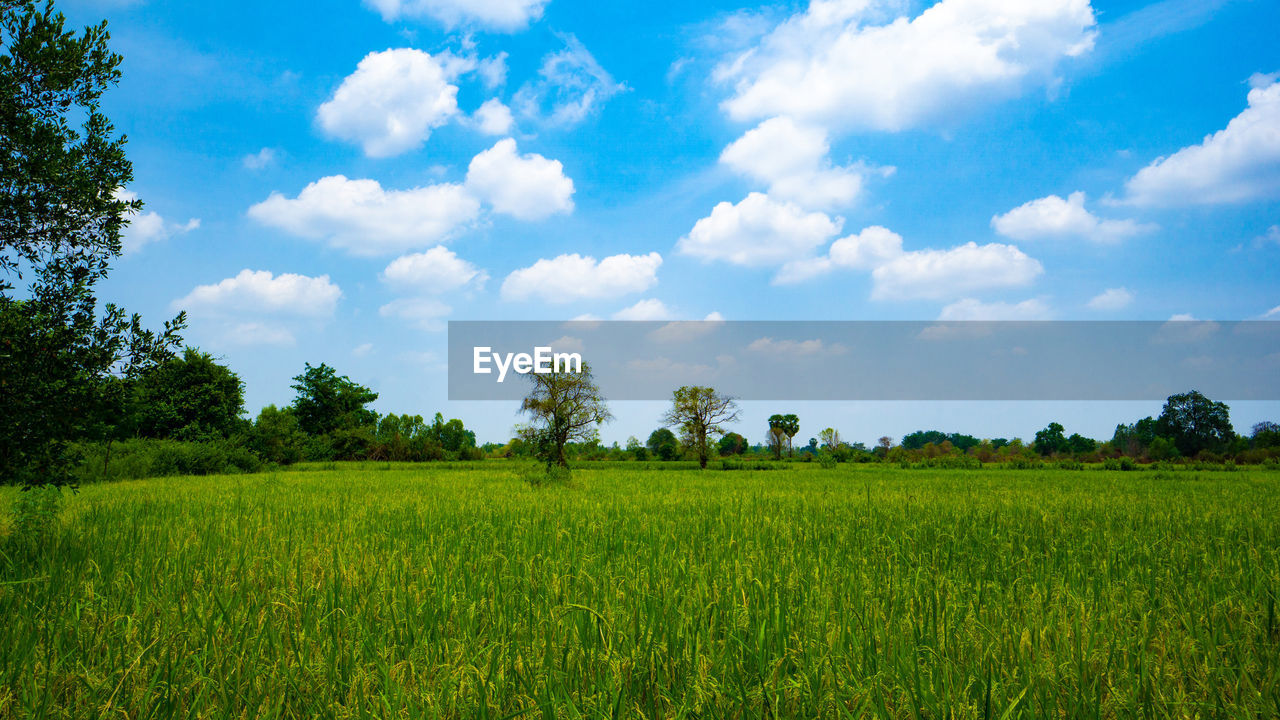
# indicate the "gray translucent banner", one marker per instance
pixel 816 360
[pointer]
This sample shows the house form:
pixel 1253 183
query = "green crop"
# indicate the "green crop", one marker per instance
pixel 855 592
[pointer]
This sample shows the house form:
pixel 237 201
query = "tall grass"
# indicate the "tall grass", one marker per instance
pixel 463 592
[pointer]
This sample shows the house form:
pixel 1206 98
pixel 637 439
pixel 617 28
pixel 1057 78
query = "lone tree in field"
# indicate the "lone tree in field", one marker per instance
pixel 700 413
pixel 563 407
pixel 830 439
pixel 66 366
pixel 1195 423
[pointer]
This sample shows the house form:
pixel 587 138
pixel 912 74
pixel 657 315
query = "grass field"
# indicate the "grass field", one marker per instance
pixel 462 592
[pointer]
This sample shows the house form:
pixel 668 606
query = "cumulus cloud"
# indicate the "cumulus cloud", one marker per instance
pixel 570 86
pixel 1111 299
pixel 149 227
pixel 970 309
pixel 493 118
pixel 436 271
pixel 258 291
pixel 420 312
pixel 1054 217
pixel 649 309
pixel 1234 165
pixel 757 231
pixel 867 250
pixel 942 274
pixel 392 102
pixel 793 160
pixel 566 278
pixel 843 64
pixel 359 216
pixel 505 15
pixel 918 274
pixel 527 187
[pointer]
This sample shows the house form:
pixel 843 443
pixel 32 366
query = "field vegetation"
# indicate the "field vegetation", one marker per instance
pixel 401 590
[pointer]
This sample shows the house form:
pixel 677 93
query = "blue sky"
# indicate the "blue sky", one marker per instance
pixel 323 185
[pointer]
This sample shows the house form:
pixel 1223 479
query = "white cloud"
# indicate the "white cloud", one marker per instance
pixel 970 309
pixel 566 278
pixel 570 86
pixel 683 331
pixel 435 271
pixel 1111 299
pixel 650 309
pixel 507 15
pixel 494 118
pixel 757 231
pixel 360 217
pixel 420 312
pixel 362 349
pixel 793 160
pixel 1272 313
pixel 260 292
pixel 942 274
pixel 918 274
pixel 493 70
pixel 867 250
pixel 1054 217
pixel 527 187
pixel 392 101
pixel 840 65
pixel 259 160
pixel 148 227
pixel 1234 165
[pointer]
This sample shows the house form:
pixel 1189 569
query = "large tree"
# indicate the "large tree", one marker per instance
pixel 192 397
pixel 563 407
pixel 327 401
pixel 65 365
pixel 700 413
pixel 663 444
pixel 1195 423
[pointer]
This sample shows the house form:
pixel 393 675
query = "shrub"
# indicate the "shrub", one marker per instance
pixel 140 458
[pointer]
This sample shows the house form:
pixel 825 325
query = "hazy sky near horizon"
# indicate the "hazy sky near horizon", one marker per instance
pixel 333 182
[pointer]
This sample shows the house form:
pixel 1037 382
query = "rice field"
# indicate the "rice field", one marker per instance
pixel 419 591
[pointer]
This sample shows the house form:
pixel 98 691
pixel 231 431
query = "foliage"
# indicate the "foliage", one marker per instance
pixel 782 428
pixel 33 521
pixel 1195 423
pixel 138 458
pixel 732 444
pixel 701 414
pixel 663 444
pixel 65 366
pixel 369 592
pixel 327 401
pixel 188 398
pixel 1051 440
pixel 562 407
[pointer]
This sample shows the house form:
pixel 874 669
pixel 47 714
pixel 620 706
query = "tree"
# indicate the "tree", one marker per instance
pixel 1266 434
pixel 700 413
pixel 883 445
pixel 1195 423
pixel 1051 440
pixel 327 401
pixel 188 398
pixel 562 407
pixel 663 444
pixel 782 428
pixel 65 366
pixel 1078 444
pixel 732 444
pixel 830 439
pixel 276 436
pixel 637 449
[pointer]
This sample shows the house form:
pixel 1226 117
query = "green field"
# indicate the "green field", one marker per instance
pixel 463 592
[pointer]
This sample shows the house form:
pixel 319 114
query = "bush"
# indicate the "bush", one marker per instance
pixel 1124 464
pixel 1023 463
pixel 34 520
pixel 142 458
